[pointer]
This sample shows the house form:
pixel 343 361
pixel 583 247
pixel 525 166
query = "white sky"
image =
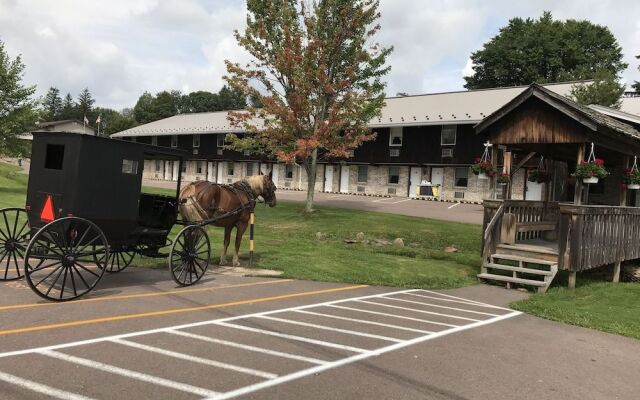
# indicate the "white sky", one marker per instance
pixel 120 48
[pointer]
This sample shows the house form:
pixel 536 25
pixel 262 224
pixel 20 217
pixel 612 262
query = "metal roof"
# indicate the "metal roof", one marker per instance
pixel 463 107
pixel 631 105
pixel 618 114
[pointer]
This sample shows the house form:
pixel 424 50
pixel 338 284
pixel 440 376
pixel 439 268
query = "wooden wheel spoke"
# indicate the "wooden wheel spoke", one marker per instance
pixel 41 267
pixel 81 277
pixel 61 268
pixel 15 225
pixel 84 234
pixel 19 236
pixel 86 269
pixel 73 282
pixel 6 224
pixel 64 281
pixel 48 275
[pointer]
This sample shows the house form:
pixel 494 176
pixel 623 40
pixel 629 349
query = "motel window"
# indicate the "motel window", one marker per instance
pixel 154 140
pixel 461 177
pixel 174 140
pixel 196 141
pixel 230 169
pixel 363 173
pixel 184 166
pixel 394 175
pixel 221 140
pixel 198 167
pixel 158 166
pixel 134 139
pixel 395 137
pixel 249 169
pixel 448 135
pixel 288 171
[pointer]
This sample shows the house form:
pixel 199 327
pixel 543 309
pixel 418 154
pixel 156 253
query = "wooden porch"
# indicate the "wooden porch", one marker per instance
pixel 528 242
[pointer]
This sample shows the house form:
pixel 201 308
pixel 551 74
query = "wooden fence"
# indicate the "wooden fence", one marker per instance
pixel 593 236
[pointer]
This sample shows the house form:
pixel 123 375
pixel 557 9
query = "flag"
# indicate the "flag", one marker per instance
pixel 99 119
pixel 86 121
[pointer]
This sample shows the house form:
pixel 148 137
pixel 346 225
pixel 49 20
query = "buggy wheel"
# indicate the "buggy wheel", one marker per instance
pixel 66 259
pixel 119 260
pixel 14 238
pixel 189 256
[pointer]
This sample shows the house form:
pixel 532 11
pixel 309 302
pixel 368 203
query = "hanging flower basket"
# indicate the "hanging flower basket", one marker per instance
pixel 538 176
pixel 483 168
pixel 503 178
pixel 632 177
pixel 591 171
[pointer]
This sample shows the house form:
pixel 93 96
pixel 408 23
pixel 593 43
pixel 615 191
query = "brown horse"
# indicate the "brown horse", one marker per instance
pixel 202 200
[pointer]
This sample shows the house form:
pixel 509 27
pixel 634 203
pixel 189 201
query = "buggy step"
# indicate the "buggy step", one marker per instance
pixel 519 269
pixel 511 279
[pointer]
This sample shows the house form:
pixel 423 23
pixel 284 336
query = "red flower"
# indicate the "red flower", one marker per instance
pixel 599 161
pixel 477 160
pixel 624 185
pixel 491 173
pixel 592 173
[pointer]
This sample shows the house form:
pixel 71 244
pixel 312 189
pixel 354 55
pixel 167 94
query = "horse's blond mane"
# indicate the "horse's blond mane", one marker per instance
pixel 256 182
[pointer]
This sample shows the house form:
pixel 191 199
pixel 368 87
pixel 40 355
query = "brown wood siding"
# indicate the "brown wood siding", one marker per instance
pixel 537 122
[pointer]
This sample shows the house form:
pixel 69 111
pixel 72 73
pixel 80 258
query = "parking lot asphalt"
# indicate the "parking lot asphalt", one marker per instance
pixel 446 211
pixel 138 336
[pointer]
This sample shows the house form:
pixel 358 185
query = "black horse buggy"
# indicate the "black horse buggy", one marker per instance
pixel 86 214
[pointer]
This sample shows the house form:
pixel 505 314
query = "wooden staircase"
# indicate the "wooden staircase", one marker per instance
pixel 521 264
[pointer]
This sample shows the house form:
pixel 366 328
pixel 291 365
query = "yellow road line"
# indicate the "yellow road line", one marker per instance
pixel 173 311
pixel 139 295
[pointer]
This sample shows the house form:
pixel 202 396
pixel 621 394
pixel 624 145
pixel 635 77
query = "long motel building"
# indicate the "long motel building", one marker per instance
pixel 421 139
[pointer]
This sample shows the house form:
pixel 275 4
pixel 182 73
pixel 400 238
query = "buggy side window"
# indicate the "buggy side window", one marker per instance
pixel 129 167
pixel 54 157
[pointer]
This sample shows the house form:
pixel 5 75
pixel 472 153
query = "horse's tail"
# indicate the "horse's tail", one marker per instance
pixel 191 196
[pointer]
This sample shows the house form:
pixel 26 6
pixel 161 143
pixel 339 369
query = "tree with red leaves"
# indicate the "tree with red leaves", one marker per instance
pixel 316 72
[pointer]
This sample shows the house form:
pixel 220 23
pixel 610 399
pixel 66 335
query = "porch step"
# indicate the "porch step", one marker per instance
pixel 527 260
pixel 520 269
pixel 531 252
pixel 521 281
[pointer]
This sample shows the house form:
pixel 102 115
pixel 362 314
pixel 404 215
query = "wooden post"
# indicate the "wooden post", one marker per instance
pixel 577 197
pixel 572 279
pixel 623 192
pixel 508 159
pixel 616 272
pixel 251 222
pixel 493 184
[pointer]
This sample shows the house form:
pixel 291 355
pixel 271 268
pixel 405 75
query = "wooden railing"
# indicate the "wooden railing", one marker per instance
pixel 593 236
pixel 491 230
pixel 523 211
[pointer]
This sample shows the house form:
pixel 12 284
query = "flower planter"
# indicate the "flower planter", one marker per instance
pixel 482 175
pixel 633 186
pixel 591 180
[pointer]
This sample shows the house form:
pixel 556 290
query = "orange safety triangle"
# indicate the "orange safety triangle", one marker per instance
pixel 48 214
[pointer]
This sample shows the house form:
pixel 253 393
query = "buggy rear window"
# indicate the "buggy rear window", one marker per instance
pixel 129 167
pixel 54 156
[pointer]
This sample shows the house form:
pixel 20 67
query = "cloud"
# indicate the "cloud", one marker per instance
pixel 120 48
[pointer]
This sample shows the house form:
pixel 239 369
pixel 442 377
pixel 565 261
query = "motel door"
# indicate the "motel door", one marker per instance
pixel 168 168
pixel 415 177
pixel 344 179
pixel 437 176
pixel 534 191
pixel 176 167
pixel 210 171
pixel 220 169
pixel 328 178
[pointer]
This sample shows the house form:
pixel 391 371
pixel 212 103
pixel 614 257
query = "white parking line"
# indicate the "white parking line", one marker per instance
pixel 40 388
pixel 275 315
pixel 438 306
pixel 401 201
pixel 381 200
pixel 420 311
pixel 294 337
pixel 363 321
pixel 249 348
pixel 183 387
pixel 198 360
pixel 453 205
pixel 328 328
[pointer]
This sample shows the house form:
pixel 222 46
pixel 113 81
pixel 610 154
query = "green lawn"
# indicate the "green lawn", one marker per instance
pixel 608 307
pixel 287 240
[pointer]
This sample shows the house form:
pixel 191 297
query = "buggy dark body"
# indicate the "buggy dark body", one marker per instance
pixel 86 214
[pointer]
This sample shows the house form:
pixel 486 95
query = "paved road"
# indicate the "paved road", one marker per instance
pixel 457 212
pixel 257 338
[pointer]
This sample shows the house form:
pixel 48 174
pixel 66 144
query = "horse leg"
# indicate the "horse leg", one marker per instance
pixel 240 228
pixel 227 240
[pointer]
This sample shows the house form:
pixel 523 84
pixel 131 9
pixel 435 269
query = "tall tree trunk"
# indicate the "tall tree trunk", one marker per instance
pixel 310 166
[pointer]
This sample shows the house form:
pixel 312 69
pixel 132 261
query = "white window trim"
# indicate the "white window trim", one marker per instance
pixel 285 172
pixel 174 141
pixel 221 136
pixel 389 176
pixel 393 132
pixel 196 138
pixel 154 140
pixel 455 135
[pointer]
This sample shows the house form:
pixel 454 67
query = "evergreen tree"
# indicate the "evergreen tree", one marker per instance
pixel 200 101
pixel 68 108
pixel 17 109
pixel 231 99
pixel 85 105
pixel 143 111
pixel 52 105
